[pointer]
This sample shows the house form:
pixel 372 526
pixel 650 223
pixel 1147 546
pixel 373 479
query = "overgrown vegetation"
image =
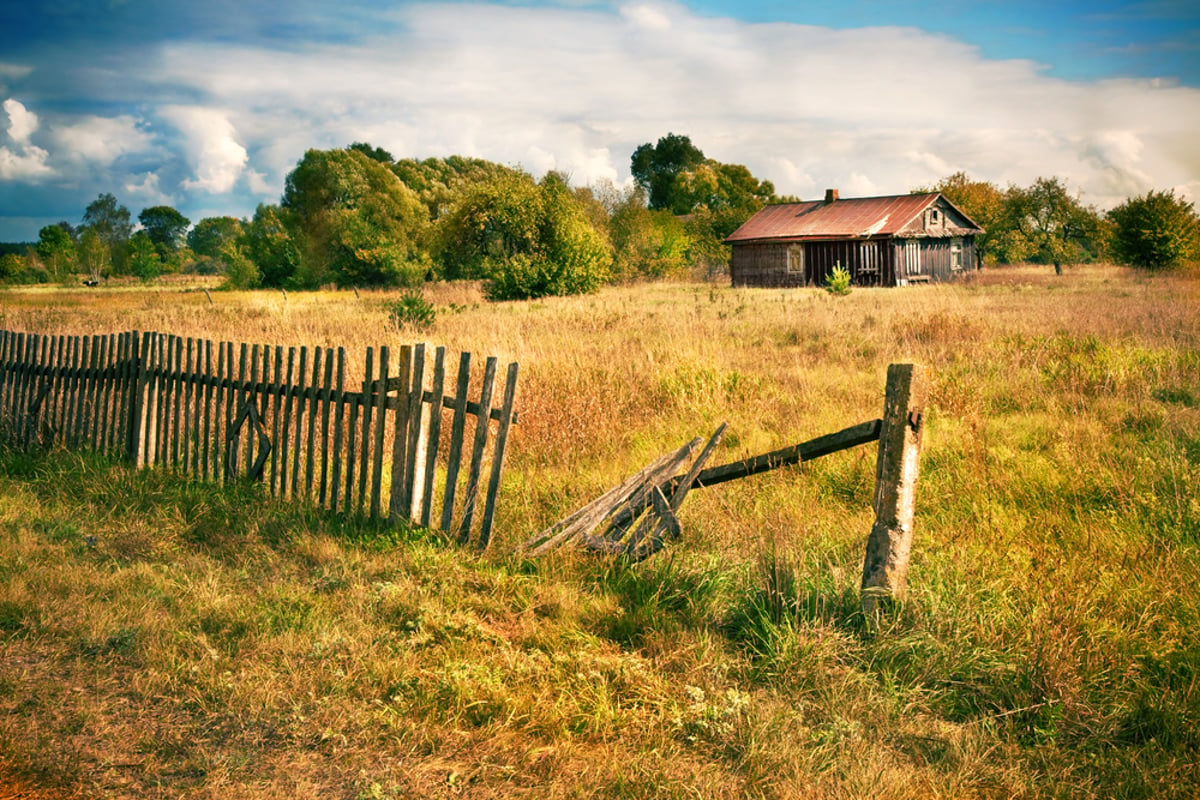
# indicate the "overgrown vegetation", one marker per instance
pixel 159 636
pixel 357 217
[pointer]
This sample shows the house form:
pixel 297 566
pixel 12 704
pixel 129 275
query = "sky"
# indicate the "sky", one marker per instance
pixel 207 106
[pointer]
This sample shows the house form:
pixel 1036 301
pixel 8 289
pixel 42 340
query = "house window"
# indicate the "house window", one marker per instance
pixel 956 254
pixel 868 257
pixel 795 259
pixel 935 216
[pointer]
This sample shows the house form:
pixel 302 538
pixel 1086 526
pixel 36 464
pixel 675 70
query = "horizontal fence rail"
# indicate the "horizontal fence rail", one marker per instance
pixel 375 444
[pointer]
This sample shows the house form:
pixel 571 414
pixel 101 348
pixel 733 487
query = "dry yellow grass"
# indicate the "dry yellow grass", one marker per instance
pixel 1049 649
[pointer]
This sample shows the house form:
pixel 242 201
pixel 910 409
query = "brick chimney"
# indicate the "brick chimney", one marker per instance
pixel 831 196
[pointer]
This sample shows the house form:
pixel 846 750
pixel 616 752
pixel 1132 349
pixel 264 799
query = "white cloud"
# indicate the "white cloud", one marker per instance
pixel 21 122
pixel 212 148
pixel 879 109
pixel 100 140
pixel 576 86
pixel 27 164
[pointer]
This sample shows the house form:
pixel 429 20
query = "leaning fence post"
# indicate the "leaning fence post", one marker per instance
pixel 885 567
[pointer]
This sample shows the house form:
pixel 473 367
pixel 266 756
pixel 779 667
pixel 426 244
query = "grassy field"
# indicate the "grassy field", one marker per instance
pixel 162 638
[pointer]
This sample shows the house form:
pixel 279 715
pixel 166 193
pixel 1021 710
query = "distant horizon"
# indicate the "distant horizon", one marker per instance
pixel 208 108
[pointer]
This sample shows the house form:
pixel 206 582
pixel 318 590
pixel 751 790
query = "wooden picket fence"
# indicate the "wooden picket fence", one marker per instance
pixel 292 418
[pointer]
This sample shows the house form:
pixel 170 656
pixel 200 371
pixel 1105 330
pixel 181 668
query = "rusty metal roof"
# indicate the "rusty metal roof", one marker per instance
pixel 852 217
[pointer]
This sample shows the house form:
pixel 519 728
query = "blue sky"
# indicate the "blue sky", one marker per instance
pixel 207 106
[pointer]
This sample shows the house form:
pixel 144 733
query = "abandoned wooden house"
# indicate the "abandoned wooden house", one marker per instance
pixel 882 241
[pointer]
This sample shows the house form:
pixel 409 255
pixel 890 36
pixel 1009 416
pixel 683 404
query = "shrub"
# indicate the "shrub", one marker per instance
pixel 838 281
pixel 411 310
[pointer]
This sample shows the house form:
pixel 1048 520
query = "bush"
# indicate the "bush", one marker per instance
pixel 411 310
pixel 838 281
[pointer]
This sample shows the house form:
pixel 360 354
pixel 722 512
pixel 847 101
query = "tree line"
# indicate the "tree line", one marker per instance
pixel 1045 223
pixel 356 216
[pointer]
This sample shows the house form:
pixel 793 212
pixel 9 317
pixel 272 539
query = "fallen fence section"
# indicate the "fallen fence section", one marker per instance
pixel 630 520
pixel 291 418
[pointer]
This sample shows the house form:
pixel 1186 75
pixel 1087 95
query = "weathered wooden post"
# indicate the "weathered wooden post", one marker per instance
pixel 885 567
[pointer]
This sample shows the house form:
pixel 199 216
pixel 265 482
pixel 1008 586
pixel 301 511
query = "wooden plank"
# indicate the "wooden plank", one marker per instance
pixel 187 448
pixel 100 356
pixel 16 389
pixel 5 377
pixel 166 347
pixel 313 414
pixel 43 373
pixel 285 434
pixel 355 400
pixel 398 500
pixel 135 431
pixel 210 379
pixel 856 435
pixel 175 425
pixel 648 538
pixel 79 348
pixel 326 384
pixel 79 432
pixel 276 398
pixel 364 460
pixel 110 381
pixel 217 436
pixel 297 433
pixel 482 421
pixel 456 440
pixel 236 440
pixel 8 341
pixel 592 514
pixel 249 439
pixel 885 566
pixel 377 455
pixel 339 412
pixel 435 433
pixel 418 441
pixel 506 413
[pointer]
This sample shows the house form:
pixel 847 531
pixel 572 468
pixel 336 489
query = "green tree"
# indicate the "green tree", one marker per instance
pixel 166 227
pixel 441 182
pixel 357 223
pixel 651 244
pixel 111 223
pixel 1053 225
pixel 211 234
pixel 655 168
pixel 1155 231
pixel 373 153
pixel 56 249
pixel 268 244
pixel 95 257
pixel 526 239
pixel 144 260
